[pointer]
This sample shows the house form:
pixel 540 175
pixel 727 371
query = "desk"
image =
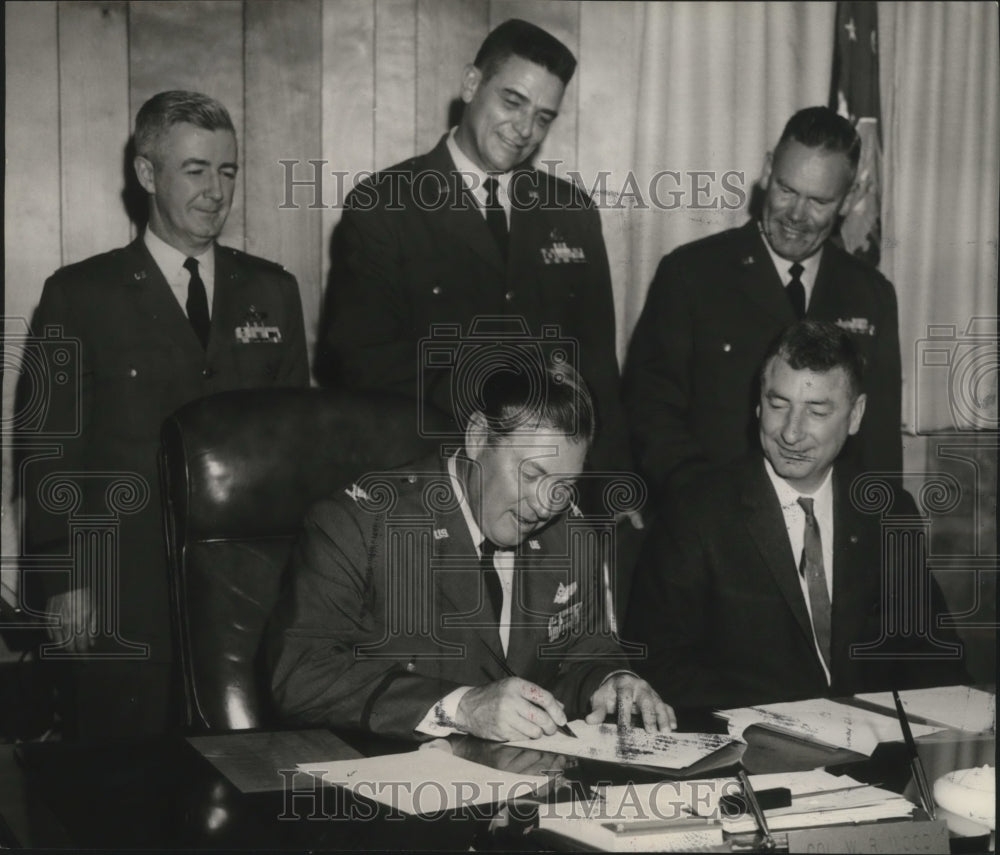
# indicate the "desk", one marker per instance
pixel 166 794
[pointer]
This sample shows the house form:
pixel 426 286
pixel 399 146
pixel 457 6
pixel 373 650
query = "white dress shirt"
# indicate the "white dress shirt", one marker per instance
pixel 475 179
pixel 795 520
pixel 171 264
pixel 810 267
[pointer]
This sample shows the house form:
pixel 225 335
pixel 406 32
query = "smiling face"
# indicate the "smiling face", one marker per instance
pixel 805 419
pixel 508 114
pixel 806 189
pixel 190 180
pixel 519 482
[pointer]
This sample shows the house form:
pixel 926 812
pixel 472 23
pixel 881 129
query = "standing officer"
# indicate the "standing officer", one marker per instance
pixel 169 318
pixel 716 304
pixel 469 245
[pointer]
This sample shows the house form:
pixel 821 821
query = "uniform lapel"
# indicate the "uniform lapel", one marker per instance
pixel 157 304
pixel 766 526
pixel 226 306
pixel 535 582
pixel 460 217
pixel 460 602
pixel 757 278
pixel 824 293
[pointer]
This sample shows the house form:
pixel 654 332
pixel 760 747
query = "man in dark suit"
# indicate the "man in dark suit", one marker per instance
pixel 716 304
pixel 460 595
pixel 169 318
pixel 772 581
pixel 472 231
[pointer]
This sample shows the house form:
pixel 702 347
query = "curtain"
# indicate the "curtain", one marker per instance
pixel 715 84
pixel 939 80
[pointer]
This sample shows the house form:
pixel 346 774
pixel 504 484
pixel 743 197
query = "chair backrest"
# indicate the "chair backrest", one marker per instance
pixel 238 471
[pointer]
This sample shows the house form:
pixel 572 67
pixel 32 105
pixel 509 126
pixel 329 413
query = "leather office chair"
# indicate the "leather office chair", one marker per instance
pixel 238 472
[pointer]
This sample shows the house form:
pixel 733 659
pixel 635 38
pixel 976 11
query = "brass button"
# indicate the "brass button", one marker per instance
pixel 411 479
pixel 727 347
pixel 133 373
pixel 411 666
pixel 509 296
pixel 436 290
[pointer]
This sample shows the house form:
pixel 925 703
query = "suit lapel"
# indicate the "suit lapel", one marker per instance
pixel 757 278
pixel 157 304
pixel 853 588
pixel 766 526
pixel 460 217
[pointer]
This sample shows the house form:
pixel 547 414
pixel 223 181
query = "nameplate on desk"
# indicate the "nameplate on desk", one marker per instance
pixel 929 837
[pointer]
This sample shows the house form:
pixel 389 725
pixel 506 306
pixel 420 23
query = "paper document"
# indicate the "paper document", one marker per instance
pixel 663 816
pixel 825 722
pixel 424 782
pixel 634 746
pixel 960 707
pixel 819 798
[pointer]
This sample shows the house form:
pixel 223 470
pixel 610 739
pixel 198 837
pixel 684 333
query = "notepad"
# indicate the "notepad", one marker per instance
pixel 824 722
pixel 960 707
pixel 631 746
pixel 424 782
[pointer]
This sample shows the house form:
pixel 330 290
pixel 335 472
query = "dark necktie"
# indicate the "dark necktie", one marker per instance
pixel 494 590
pixel 796 291
pixel 197 303
pixel 496 219
pixel 811 567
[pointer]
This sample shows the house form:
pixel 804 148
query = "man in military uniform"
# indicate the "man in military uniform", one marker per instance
pixel 470 230
pixel 461 595
pixel 716 304
pixel 169 318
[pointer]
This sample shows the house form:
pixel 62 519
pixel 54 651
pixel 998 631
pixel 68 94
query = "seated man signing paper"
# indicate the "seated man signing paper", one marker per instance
pixel 462 595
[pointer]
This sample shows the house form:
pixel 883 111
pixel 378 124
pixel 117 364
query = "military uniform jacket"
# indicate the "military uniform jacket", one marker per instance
pixel 414 264
pixel 134 359
pixel 384 612
pixel 691 379
pixel 717 600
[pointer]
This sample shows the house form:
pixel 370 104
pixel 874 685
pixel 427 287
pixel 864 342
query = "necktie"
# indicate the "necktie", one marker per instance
pixel 494 590
pixel 811 567
pixel 496 219
pixel 796 291
pixel 197 302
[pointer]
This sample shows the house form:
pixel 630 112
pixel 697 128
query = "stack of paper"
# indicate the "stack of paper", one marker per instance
pixel 825 722
pixel 678 815
pixel 960 707
pixel 631 745
pixel 819 798
pixel 424 782
pixel 635 818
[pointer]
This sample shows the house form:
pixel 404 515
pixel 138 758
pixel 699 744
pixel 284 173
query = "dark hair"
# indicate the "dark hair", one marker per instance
pixel 519 38
pixel 818 346
pixel 527 392
pixel 166 109
pixel 821 127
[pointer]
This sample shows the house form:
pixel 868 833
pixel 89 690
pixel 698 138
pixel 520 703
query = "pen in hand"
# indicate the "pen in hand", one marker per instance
pixel 564 729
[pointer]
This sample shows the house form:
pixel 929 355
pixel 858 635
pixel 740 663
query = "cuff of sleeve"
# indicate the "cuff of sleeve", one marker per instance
pixel 441 719
pixel 616 673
